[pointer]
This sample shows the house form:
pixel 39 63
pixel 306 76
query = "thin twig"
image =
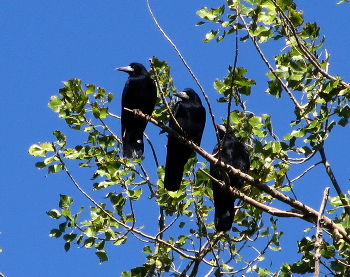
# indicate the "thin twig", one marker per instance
pixel 334 180
pixel 166 104
pixel 152 149
pixel 161 226
pixel 186 65
pixel 222 141
pixel 306 171
pixel 318 240
pixel 110 131
pixel 147 179
pixel 305 50
pixel 290 94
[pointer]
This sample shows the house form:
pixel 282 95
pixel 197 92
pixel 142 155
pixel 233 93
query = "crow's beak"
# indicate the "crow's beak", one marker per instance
pixel 221 127
pixel 182 95
pixel 125 69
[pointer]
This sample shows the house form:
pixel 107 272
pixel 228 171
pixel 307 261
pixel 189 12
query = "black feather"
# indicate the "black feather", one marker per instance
pixel 233 153
pixel 190 114
pixel 140 93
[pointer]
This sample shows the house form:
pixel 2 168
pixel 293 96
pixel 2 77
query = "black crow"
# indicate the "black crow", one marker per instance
pixel 140 93
pixel 234 153
pixel 190 114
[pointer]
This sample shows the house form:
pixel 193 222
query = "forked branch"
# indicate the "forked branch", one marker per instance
pixel 309 214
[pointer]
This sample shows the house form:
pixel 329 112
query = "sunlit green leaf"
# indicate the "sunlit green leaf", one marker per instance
pixel 55 103
pixel 65 201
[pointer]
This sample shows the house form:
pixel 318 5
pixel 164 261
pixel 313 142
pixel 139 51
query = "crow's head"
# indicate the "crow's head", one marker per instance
pixel 134 69
pixel 222 130
pixel 188 94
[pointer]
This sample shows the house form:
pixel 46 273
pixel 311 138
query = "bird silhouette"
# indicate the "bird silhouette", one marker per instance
pixel 234 153
pixel 190 115
pixel 140 93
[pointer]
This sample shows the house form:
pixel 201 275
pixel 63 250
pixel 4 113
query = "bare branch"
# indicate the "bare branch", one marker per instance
pixel 319 225
pixel 152 148
pixel 251 201
pixel 334 180
pixel 161 226
pixel 306 171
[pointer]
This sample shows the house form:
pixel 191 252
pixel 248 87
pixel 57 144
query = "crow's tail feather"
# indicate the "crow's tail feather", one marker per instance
pixel 223 221
pixel 224 214
pixel 173 178
pixel 132 150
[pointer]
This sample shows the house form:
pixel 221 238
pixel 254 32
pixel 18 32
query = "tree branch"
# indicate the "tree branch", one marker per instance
pixel 308 213
pixel 318 240
pixel 251 201
pixel 305 50
pixel 334 180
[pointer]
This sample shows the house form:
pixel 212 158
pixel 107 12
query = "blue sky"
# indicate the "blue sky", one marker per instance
pixel 43 43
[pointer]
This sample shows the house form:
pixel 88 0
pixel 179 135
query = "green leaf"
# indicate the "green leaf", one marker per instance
pixel 54 168
pixel 40 165
pixel 227 267
pixel 90 231
pixel 346 222
pixel 65 201
pixel 135 194
pixel 296 17
pixel 110 97
pixel 298 133
pixel 263 272
pixel 67 213
pixel 40 150
pixel 102 255
pixel 90 89
pixel 54 214
pixel 89 243
pixel 327 251
pixel 210 15
pixel 103 113
pixel 147 250
pixel 96 112
pixel 256 122
pixel 69 237
pixel 60 137
pixel 67 246
pixel 120 241
pixel 55 233
pixel 210 35
pixel 55 104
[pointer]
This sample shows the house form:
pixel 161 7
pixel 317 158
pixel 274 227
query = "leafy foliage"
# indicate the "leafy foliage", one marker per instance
pixel 185 239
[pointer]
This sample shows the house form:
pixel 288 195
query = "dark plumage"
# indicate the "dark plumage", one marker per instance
pixel 233 153
pixel 140 93
pixel 190 114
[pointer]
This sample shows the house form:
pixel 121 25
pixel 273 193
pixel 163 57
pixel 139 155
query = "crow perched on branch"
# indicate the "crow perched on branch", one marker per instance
pixel 140 93
pixel 190 115
pixel 234 153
